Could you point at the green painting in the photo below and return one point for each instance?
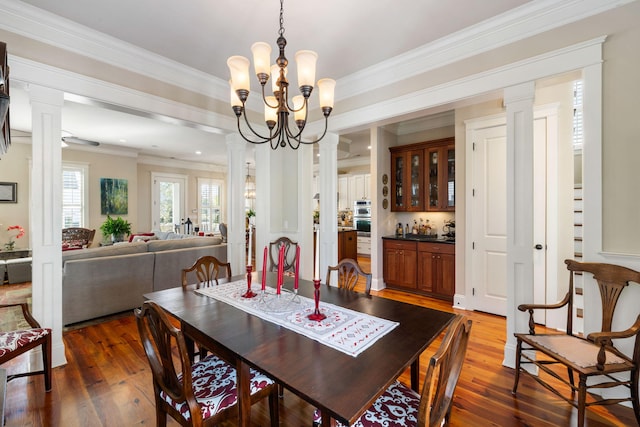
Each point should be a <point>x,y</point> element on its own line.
<point>114,196</point>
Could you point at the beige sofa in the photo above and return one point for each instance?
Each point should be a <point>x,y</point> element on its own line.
<point>106,280</point>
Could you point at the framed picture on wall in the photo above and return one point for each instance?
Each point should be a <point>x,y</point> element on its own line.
<point>8,192</point>
<point>114,196</point>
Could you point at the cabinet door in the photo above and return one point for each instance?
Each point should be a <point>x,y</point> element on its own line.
<point>409,268</point>
<point>426,271</point>
<point>358,187</point>
<point>350,245</point>
<point>447,282</point>
<point>397,181</point>
<point>450,178</point>
<point>414,179</point>
<point>433,179</point>
<point>390,267</point>
<point>343,193</point>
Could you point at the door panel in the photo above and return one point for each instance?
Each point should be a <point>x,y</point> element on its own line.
<point>489,227</point>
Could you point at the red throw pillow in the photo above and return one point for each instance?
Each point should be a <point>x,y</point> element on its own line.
<point>139,234</point>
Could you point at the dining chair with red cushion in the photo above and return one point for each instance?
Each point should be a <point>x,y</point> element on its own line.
<point>400,406</point>
<point>16,342</point>
<point>200,394</point>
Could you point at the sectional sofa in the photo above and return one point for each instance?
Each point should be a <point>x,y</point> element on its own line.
<point>101,281</point>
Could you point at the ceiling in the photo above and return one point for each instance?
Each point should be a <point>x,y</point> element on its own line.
<point>347,35</point>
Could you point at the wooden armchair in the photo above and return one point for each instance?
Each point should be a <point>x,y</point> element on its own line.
<point>349,272</point>
<point>77,237</point>
<point>595,356</point>
<point>16,342</point>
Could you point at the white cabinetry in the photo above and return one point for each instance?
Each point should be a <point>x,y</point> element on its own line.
<point>352,188</point>
<point>344,200</point>
<point>364,245</point>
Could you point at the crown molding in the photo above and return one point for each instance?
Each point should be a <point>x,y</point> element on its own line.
<point>37,24</point>
<point>174,163</point>
<point>84,89</point>
<point>525,21</point>
<point>551,63</point>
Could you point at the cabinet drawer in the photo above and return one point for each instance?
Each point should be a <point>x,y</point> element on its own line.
<point>398,245</point>
<point>441,248</point>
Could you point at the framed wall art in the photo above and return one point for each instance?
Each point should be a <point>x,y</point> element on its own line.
<point>114,196</point>
<point>8,192</point>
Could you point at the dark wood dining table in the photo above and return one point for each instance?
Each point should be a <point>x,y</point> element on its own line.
<point>340,385</point>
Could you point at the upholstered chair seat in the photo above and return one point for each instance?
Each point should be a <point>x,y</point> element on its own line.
<point>215,387</point>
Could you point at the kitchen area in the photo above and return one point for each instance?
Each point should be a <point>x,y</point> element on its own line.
<point>418,238</point>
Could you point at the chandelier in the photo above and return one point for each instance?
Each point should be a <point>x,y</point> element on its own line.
<point>277,108</point>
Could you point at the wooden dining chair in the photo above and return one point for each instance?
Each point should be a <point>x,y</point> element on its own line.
<point>349,273</point>
<point>16,342</point>
<point>200,394</point>
<point>401,406</point>
<point>593,356</point>
<point>207,269</point>
<point>289,254</point>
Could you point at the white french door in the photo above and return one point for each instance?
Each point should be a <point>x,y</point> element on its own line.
<point>168,202</point>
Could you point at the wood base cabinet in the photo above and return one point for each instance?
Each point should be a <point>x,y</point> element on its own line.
<point>437,269</point>
<point>399,263</point>
<point>425,267</point>
<point>347,245</point>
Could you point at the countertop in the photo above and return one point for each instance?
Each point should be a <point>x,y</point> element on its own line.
<point>420,238</point>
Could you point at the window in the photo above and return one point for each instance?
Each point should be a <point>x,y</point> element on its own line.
<point>74,195</point>
<point>578,129</point>
<point>209,204</point>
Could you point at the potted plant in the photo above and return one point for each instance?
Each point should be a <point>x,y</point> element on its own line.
<point>250,218</point>
<point>117,228</point>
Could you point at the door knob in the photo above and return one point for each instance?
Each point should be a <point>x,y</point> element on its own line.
<point>538,246</point>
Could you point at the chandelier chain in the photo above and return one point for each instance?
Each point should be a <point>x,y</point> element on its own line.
<point>281,31</point>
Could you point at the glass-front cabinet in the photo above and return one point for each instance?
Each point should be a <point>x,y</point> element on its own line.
<point>423,176</point>
<point>407,170</point>
<point>441,179</point>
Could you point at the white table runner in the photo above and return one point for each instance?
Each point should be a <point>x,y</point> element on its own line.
<point>346,330</point>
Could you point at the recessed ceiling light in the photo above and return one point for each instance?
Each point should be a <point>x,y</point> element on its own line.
<point>368,147</point>
<point>123,140</point>
<point>198,152</point>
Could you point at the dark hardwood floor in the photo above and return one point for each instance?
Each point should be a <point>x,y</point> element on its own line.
<point>107,382</point>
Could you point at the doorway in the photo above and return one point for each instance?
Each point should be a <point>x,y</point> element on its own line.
<point>168,201</point>
<point>486,141</point>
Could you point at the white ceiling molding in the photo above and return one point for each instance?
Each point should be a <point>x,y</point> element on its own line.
<point>555,62</point>
<point>34,23</point>
<point>525,21</point>
<point>175,163</point>
<point>25,71</point>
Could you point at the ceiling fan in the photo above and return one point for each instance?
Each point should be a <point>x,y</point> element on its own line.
<point>68,138</point>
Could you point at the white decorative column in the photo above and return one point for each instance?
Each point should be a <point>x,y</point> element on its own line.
<point>236,241</point>
<point>305,210</point>
<point>519,103</point>
<point>328,185</point>
<point>46,215</point>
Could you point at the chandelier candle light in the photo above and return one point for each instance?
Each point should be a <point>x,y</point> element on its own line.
<point>278,107</point>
